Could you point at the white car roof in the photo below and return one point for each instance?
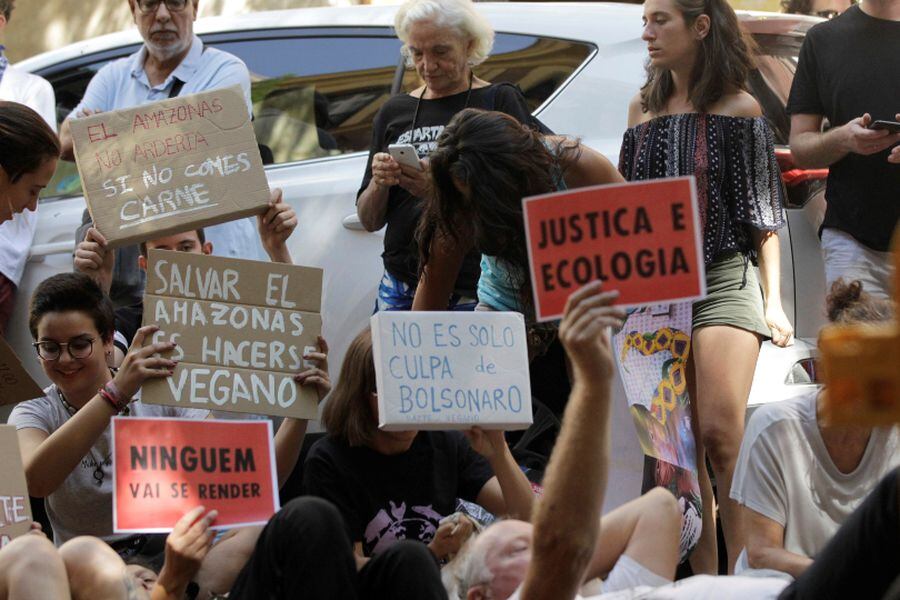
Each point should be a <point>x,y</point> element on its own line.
<point>601,23</point>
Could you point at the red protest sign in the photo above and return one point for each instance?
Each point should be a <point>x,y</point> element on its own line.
<point>640,238</point>
<point>165,467</point>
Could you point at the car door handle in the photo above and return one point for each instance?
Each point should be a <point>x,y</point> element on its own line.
<point>40,251</point>
<point>352,221</point>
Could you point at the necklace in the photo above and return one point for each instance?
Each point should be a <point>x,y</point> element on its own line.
<point>98,473</point>
<point>422,95</point>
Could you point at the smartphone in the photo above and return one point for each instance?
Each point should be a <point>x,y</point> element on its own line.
<point>405,154</point>
<point>892,126</point>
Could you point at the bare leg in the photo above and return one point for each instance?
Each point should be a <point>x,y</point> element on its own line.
<point>724,361</point>
<point>31,568</point>
<point>646,529</point>
<point>225,560</point>
<point>96,571</point>
<point>705,557</point>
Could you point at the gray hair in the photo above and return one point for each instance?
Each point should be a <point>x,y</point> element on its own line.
<point>467,569</point>
<point>458,15</point>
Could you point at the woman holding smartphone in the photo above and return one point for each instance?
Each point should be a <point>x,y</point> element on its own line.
<point>693,116</point>
<point>444,40</point>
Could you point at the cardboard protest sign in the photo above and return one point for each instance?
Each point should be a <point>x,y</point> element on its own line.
<point>15,509</point>
<point>241,327</point>
<point>861,367</point>
<point>16,385</point>
<point>165,467</point>
<point>641,238</point>
<point>171,166</point>
<point>451,370</point>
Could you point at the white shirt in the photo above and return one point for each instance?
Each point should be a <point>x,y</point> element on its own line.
<point>785,473</point>
<point>17,234</point>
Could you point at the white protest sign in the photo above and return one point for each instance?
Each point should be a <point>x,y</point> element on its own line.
<point>451,370</point>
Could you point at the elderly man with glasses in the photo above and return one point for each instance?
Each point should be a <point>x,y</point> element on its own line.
<point>172,62</point>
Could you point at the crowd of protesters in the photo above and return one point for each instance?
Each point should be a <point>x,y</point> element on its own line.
<point>807,509</point>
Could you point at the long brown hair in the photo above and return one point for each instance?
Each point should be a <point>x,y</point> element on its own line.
<point>725,58</point>
<point>501,161</point>
<point>27,140</point>
<point>348,413</point>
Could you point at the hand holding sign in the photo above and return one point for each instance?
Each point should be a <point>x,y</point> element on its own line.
<point>276,225</point>
<point>317,373</point>
<point>589,312</point>
<point>94,258</point>
<point>186,547</point>
<point>143,362</point>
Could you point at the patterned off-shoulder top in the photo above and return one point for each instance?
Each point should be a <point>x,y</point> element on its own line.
<point>733,160</point>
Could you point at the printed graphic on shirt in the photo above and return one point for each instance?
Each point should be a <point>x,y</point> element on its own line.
<point>424,139</point>
<point>400,523</point>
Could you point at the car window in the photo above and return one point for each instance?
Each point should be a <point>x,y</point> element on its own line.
<point>316,96</point>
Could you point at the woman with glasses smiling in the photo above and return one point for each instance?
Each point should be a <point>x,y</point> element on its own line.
<point>65,436</point>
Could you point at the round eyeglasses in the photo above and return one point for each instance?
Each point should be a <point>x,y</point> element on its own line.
<point>78,348</point>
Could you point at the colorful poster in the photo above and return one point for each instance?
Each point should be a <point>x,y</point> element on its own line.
<point>640,238</point>
<point>653,349</point>
<point>165,467</point>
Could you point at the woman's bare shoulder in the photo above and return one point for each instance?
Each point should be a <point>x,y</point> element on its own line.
<point>738,103</point>
<point>636,112</point>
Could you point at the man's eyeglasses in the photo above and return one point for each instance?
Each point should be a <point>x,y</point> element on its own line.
<point>77,348</point>
<point>827,14</point>
<point>149,7</point>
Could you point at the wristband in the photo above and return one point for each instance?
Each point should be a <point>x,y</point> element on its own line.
<point>110,393</point>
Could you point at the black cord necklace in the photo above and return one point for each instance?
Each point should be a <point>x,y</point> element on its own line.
<point>422,95</point>
<point>98,473</point>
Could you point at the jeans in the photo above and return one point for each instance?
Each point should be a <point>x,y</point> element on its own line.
<point>304,553</point>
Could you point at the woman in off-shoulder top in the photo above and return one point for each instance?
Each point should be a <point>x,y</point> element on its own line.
<point>693,116</point>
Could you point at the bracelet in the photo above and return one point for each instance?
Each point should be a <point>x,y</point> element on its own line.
<point>110,393</point>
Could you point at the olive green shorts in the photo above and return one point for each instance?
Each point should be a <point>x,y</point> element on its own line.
<point>733,296</point>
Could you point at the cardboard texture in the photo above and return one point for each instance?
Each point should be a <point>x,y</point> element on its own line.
<point>861,367</point>
<point>15,509</point>
<point>641,238</point>
<point>165,467</point>
<point>16,385</point>
<point>451,370</point>
<point>171,166</point>
<point>241,327</point>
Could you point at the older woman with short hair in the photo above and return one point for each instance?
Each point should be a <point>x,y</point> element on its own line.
<point>443,40</point>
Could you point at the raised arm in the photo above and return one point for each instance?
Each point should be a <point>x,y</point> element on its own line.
<point>289,438</point>
<point>49,459</point>
<point>567,518</point>
<point>371,206</point>
<point>508,493</point>
<point>275,227</point>
<point>95,259</point>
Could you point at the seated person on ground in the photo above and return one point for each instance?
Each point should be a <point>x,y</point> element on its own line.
<point>554,559</point>
<point>798,479</point>
<point>65,436</point>
<point>94,258</point>
<point>395,485</point>
<point>640,539</point>
<point>31,568</point>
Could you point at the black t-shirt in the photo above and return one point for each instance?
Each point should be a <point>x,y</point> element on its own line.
<point>392,126</point>
<point>384,499</point>
<point>128,321</point>
<point>850,66</point>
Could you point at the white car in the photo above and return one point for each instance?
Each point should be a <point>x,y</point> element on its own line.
<point>321,74</point>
